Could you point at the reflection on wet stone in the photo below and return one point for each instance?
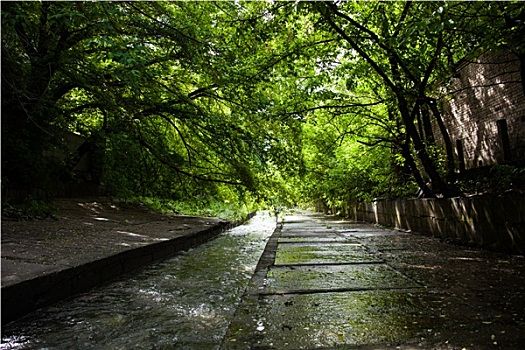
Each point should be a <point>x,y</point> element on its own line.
<point>185,302</point>
<point>335,277</point>
<point>310,253</point>
<point>342,285</point>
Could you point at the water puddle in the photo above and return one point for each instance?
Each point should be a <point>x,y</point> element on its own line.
<point>186,302</point>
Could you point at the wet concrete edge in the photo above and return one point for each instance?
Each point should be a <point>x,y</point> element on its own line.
<point>27,296</point>
<point>265,262</point>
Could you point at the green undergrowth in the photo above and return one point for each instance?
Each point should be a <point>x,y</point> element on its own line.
<point>32,208</point>
<point>223,209</point>
<point>495,180</point>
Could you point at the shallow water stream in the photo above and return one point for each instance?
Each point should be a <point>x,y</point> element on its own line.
<point>186,302</point>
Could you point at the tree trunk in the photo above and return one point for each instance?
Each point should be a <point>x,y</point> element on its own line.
<point>451,165</point>
<point>438,184</point>
<point>405,152</point>
<point>427,125</point>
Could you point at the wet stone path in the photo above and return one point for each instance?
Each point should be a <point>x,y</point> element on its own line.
<point>323,283</point>
<point>315,282</point>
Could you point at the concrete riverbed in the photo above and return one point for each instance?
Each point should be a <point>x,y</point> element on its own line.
<point>90,242</point>
<point>185,302</point>
<point>326,283</point>
<point>315,282</point>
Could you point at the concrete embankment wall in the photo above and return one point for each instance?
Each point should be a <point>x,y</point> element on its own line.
<point>496,223</point>
<point>27,296</point>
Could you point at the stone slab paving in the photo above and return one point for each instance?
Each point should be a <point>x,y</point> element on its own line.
<point>326,283</point>
<point>321,252</point>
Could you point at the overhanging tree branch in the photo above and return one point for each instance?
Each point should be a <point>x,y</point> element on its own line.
<point>334,107</point>
<point>357,47</point>
<point>178,170</point>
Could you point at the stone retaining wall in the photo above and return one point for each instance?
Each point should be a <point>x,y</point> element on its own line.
<point>496,223</point>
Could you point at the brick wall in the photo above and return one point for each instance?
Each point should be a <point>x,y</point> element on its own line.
<point>483,92</point>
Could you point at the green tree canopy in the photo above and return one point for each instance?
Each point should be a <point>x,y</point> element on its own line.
<point>240,100</point>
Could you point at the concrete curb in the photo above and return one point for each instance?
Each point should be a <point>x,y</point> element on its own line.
<point>27,296</point>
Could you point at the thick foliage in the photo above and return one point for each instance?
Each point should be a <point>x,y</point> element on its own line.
<point>239,101</point>
<point>167,100</point>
